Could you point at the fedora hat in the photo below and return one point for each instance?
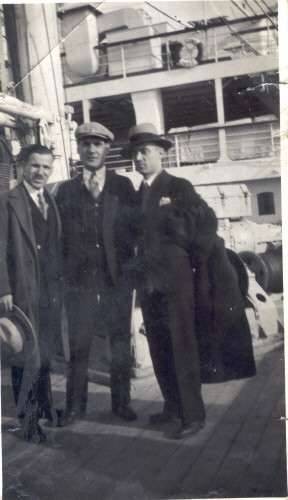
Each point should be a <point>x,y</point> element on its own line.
<point>144,133</point>
<point>16,331</point>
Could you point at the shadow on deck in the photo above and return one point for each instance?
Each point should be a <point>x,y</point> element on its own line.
<point>240,453</point>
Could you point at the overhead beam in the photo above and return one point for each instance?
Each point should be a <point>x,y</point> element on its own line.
<point>164,79</point>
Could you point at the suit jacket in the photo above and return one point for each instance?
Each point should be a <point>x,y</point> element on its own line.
<point>118,198</point>
<point>186,229</point>
<point>19,265</point>
<point>183,228</point>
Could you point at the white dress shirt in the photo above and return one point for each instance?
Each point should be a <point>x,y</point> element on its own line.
<point>151,179</point>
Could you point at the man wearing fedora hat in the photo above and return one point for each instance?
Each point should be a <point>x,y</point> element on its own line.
<point>174,226</point>
<point>30,264</point>
<point>96,247</point>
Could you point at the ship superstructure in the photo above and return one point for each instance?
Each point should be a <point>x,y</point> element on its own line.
<point>211,85</point>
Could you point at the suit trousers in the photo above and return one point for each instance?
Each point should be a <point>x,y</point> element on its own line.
<point>94,312</point>
<point>169,319</point>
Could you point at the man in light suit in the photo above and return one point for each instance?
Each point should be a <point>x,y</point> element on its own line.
<point>96,246</point>
<point>30,263</point>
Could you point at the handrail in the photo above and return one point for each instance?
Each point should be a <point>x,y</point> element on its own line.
<point>119,60</point>
<point>189,148</point>
<point>199,27</point>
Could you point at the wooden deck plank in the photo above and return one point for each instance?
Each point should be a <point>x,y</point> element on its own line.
<point>279,481</point>
<point>71,450</point>
<point>107,459</point>
<point>232,472</point>
<point>152,449</point>
<point>173,470</point>
<point>259,475</point>
<point>208,459</point>
<point>63,443</point>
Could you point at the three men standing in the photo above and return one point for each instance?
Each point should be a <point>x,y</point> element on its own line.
<point>96,247</point>
<point>30,259</point>
<point>102,220</point>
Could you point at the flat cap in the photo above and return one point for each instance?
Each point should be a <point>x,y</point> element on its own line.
<point>94,129</point>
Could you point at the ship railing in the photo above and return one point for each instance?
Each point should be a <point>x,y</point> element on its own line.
<point>194,147</point>
<point>5,175</point>
<point>185,48</point>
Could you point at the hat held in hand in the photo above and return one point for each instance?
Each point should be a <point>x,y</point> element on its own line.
<point>15,331</point>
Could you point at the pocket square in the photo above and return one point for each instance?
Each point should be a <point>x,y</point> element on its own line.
<point>165,200</point>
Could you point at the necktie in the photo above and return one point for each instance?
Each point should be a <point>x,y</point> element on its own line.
<point>43,205</point>
<point>144,195</point>
<point>94,187</point>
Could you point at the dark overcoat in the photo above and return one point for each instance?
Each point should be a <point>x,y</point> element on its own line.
<point>19,265</point>
<point>184,231</point>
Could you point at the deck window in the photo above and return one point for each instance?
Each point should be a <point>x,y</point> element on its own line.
<point>251,96</point>
<point>266,203</point>
<point>189,105</point>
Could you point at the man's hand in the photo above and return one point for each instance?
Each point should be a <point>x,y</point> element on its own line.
<point>6,303</point>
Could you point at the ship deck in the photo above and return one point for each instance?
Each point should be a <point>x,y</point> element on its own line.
<point>240,452</point>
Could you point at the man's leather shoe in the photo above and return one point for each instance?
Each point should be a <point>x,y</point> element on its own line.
<point>160,418</point>
<point>125,412</point>
<point>181,431</point>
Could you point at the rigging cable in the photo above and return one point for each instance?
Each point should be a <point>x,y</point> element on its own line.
<point>266,15</point>
<point>173,18</point>
<point>239,8</point>
<point>53,48</point>
<point>234,32</point>
<point>249,6</point>
<point>267,7</point>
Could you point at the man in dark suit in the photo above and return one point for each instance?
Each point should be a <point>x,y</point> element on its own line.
<point>96,248</point>
<point>30,257</point>
<point>175,226</point>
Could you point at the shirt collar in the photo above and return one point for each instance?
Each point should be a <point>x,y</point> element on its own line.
<point>97,175</point>
<point>32,191</point>
<point>151,179</point>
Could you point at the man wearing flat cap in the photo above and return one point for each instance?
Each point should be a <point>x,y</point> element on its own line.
<point>96,248</point>
<point>176,234</point>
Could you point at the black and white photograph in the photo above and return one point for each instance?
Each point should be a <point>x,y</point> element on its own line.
<point>141,261</point>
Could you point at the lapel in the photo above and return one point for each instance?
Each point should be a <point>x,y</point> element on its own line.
<point>55,209</point>
<point>158,189</point>
<point>110,206</point>
<point>18,201</point>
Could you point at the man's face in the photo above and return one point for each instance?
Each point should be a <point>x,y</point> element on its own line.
<point>37,169</point>
<point>148,159</point>
<point>93,152</point>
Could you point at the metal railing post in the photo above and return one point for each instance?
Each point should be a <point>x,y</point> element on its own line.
<point>215,45</point>
<point>123,63</point>
<point>168,55</point>
<point>177,151</point>
<point>272,139</point>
